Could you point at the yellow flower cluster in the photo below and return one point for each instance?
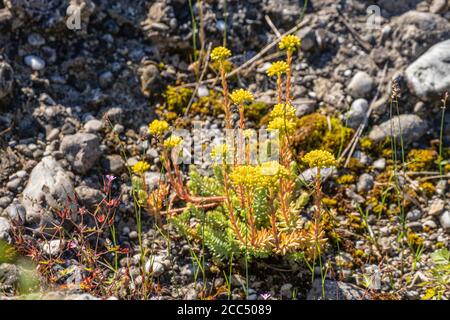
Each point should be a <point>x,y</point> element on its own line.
<point>273,171</point>
<point>220,54</point>
<point>278,68</point>
<point>140,167</point>
<point>289,43</point>
<point>241,96</point>
<point>245,175</point>
<point>219,150</point>
<point>320,159</point>
<point>281,110</point>
<point>172,141</point>
<point>158,127</point>
<point>284,126</point>
<point>265,175</point>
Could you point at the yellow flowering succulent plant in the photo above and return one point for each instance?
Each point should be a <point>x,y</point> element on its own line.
<point>173,141</point>
<point>140,167</point>
<point>158,127</point>
<point>278,68</point>
<point>320,159</point>
<point>241,96</point>
<point>282,110</point>
<point>220,53</point>
<point>289,43</point>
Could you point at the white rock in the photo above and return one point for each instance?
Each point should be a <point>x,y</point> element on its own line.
<point>154,267</point>
<point>408,126</point>
<point>48,187</point>
<point>436,207</point>
<point>5,228</point>
<point>360,85</point>
<point>379,164</point>
<point>357,113</point>
<point>34,62</point>
<point>444,219</point>
<point>93,126</point>
<point>202,91</point>
<point>429,76</point>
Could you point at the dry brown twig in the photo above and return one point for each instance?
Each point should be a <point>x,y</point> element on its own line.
<point>205,66</point>
<point>250,63</point>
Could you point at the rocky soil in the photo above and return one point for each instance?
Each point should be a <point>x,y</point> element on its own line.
<point>68,96</point>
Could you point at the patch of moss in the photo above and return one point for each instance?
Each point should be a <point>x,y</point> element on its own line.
<point>328,202</point>
<point>414,240</point>
<point>316,132</point>
<point>176,99</point>
<point>421,159</point>
<point>366,144</point>
<point>256,111</point>
<point>428,188</point>
<point>208,105</point>
<point>346,179</point>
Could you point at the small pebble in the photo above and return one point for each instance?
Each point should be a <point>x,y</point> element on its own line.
<point>34,62</point>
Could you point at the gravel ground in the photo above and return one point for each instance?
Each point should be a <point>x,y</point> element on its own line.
<point>68,96</point>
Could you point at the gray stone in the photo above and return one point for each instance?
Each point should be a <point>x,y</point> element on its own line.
<point>408,126</point>
<point>14,184</point>
<point>5,229</point>
<point>415,226</point>
<point>150,78</point>
<point>335,290</point>
<point>444,219</point>
<point>6,79</point>
<point>379,164</point>
<point>360,85</point>
<point>430,224</point>
<point>34,62</point>
<point>429,76</point>
<point>113,164</point>
<point>82,150</point>
<point>414,215</point>
<point>93,126</point>
<point>355,116</point>
<point>365,183</point>
<point>16,212</point>
<point>9,276</point>
<point>89,197</point>
<point>308,37</point>
<point>48,188</point>
<point>354,196</point>
<point>436,207</point>
<point>286,291</point>
<point>35,39</point>
<point>105,79</point>
<point>202,91</point>
<point>309,175</point>
<point>154,267</point>
<point>438,6</point>
<point>415,32</point>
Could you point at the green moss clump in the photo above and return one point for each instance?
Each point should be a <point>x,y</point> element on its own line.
<point>421,159</point>
<point>208,105</point>
<point>346,179</point>
<point>428,188</point>
<point>329,202</point>
<point>414,240</point>
<point>256,111</point>
<point>314,132</point>
<point>176,99</point>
